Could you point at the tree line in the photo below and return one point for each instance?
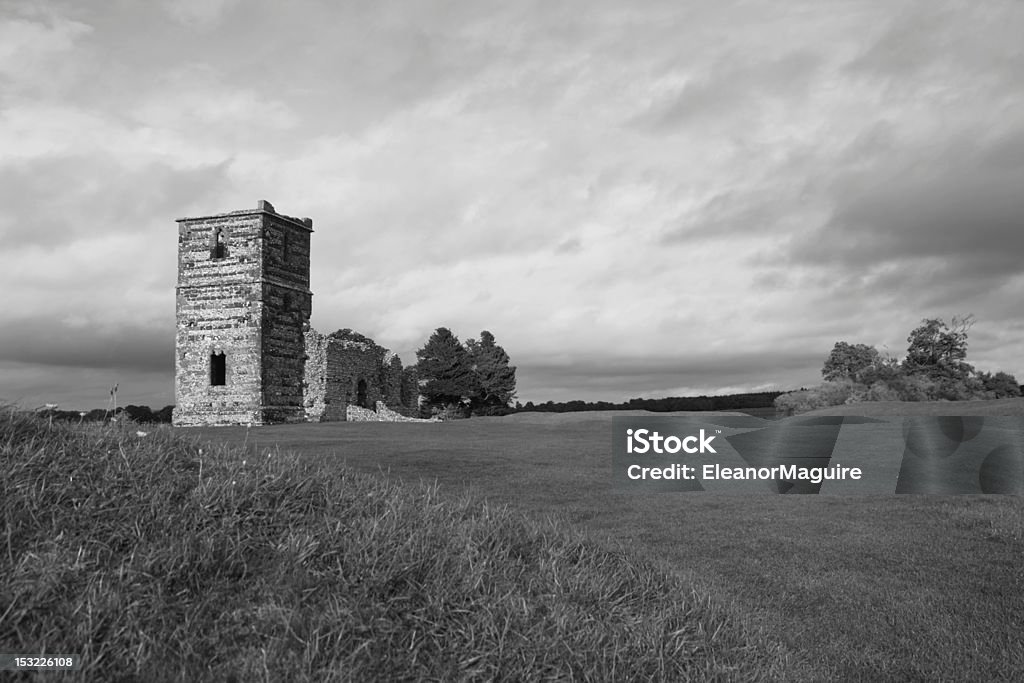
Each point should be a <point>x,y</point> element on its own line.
<point>751,401</point>
<point>935,368</point>
<point>140,414</point>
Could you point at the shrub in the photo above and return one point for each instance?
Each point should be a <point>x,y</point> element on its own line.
<point>1000,385</point>
<point>791,403</point>
<point>914,388</point>
<point>824,395</point>
<point>834,393</point>
<point>880,391</point>
<point>450,411</point>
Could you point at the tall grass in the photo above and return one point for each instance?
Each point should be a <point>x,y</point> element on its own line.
<point>872,588</point>
<point>157,558</point>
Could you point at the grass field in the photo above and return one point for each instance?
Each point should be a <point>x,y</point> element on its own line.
<point>851,588</point>
<point>486,549</point>
<point>159,558</point>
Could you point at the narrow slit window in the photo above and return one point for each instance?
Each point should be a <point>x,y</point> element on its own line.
<point>220,246</point>
<point>218,370</point>
<point>285,252</point>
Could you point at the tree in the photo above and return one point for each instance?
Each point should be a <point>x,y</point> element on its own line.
<point>1000,385</point>
<point>163,415</point>
<point>444,370</point>
<point>495,378</point>
<point>938,351</point>
<point>348,334</point>
<point>139,414</point>
<point>848,360</point>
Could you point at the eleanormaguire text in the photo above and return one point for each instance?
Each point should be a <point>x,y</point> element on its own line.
<point>815,475</point>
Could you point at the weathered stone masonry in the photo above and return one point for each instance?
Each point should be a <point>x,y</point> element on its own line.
<point>342,372</point>
<point>244,352</point>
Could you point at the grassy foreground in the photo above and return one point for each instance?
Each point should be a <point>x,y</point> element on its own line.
<point>159,558</point>
<point>855,588</point>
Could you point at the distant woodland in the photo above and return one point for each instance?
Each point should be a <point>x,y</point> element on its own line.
<point>736,402</point>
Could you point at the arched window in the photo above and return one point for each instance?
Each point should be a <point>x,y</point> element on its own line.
<point>218,244</point>
<point>218,369</point>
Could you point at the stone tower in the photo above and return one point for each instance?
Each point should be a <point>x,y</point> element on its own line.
<point>243,305</point>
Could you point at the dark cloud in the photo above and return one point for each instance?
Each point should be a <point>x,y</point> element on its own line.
<point>31,386</point>
<point>952,213</point>
<point>45,342</point>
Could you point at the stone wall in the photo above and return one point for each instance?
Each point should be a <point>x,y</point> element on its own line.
<point>244,293</point>
<point>351,370</point>
<point>381,414</point>
<point>244,351</point>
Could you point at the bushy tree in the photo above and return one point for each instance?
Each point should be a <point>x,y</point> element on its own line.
<point>999,385</point>
<point>939,351</point>
<point>846,361</point>
<point>445,372</point>
<point>880,391</point>
<point>935,368</point>
<point>822,396</point>
<point>348,334</point>
<point>163,415</point>
<point>139,414</point>
<point>495,378</point>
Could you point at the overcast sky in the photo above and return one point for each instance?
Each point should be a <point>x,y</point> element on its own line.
<point>637,198</point>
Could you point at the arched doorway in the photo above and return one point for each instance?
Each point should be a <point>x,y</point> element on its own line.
<point>361,394</point>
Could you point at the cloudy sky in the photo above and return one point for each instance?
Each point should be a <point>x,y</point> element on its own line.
<point>637,198</point>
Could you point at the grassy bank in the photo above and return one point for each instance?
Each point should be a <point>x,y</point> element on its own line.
<point>158,558</point>
<point>874,588</point>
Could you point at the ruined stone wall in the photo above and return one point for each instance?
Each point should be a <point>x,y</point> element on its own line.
<point>314,381</point>
<point>381,414</point>
<point>335,369</point>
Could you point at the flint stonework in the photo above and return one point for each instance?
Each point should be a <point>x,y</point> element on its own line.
<point>243,291</point>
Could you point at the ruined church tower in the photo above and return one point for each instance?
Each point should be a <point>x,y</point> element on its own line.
<point>243,305</point>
